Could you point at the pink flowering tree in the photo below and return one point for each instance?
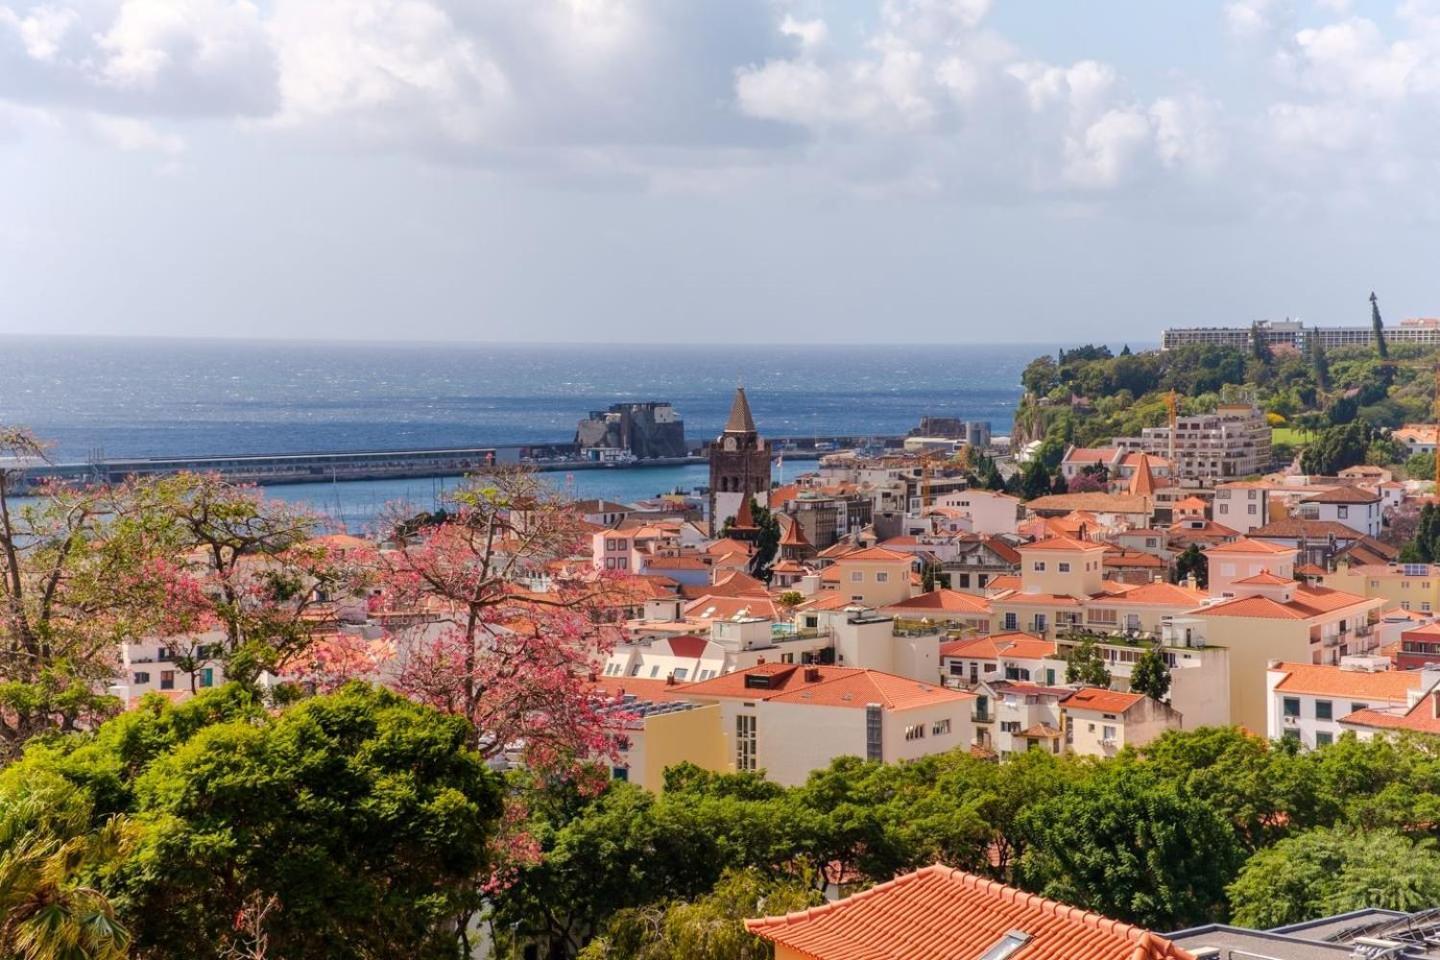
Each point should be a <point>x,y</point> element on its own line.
<point>261,585</point>
<point>497,636</point>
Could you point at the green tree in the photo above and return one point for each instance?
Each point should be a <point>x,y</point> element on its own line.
<point>363,815</point>
<point>1034,480</point>
<point>1192,561</point>
<point>1421,466</point>
<point>1319,363</point>
<point>709,928</point>
<point>1336,448</point>
<point>1131,846</point>
<point>1335,870</point>
<point>1084,665</point>
<point>1151,675</point>
<point>49,855</point>
<point>767,542</point>
<point>1381,349</point>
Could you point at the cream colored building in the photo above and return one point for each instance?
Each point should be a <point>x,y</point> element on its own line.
<point>1267,617</point>
<point>791,720</point>
<point>1404,586</point>
<point>1308,702</point>
<point>1101,723</point>
<point>1245,558</point>
<point>875,576</point>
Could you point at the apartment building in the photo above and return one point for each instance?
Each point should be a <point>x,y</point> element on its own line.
<point>1242,505</point>
<point>976,562</point>
<point>1355,507</point>
<point>1413,587</point>
<point>1308,701</point>
<point>174,666</point>
<point>1274,333</point>
<point>1018,657</point>
<point>990,513</point>
<point>1229,444</point>
<point>1268,617</point>
<point>1012,717</point>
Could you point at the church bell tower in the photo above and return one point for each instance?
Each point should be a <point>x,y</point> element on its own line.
<point>739,465</point>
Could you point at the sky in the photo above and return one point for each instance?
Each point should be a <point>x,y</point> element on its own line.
<point>703,171</point>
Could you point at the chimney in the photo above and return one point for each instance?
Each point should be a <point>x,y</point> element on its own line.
<point>812,674</point>
<point>1191,581</point>
<point>759,660</point>
<point>670,680</point>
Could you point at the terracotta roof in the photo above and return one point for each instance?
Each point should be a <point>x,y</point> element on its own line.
<point>794,536</point>
<point>1191,502</point>
<point>1002,549</point>
<point>1307,602</point>
<point>687,646</point>
<point>1309,678</point>
<point>1020,646</point>
<point>1029,689</point>
<point>1105,701</point>
<point>1040,731</point>
<point>1423,717</point>
<point>838,549</point>
<point>948,601</point>
<point>1142,482</point>
<point>1309,570</point>
<point>726,545</point>
<point>1003,582</point>
<point>1097,502</point>
<point>1132,558</point>
<point>1063,543</point>
<point>833,687</point>
<point>641,688</point>
<point>677,563</point>
<point>745,516</point>
<point>875,555</point>
<point>828,600</point>
<point>1042,599</point>
<point>738,585</point>
<point>1293,528</point>
<point>1343,495</point>
<point>711,607</point>
<point>1158,594</point>
<point>1246,545</point>
<point>1265,579</point>
<point>939,913</point>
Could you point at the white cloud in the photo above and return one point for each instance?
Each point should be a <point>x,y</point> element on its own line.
<point>132,135</point>
<point>41,30</point>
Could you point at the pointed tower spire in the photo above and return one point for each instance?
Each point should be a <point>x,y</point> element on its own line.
<point>740,420</point>
<point>1142,481</point>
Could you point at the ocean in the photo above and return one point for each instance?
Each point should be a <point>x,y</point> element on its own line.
<point>141,397</point>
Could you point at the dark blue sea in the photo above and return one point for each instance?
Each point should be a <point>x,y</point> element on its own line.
<point>142,397</point>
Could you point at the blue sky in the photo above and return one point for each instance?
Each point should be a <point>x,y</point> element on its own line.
<point>756,170</point>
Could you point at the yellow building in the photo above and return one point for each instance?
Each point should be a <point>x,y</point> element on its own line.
<point>1406,586</point>
<point>875,577</point>
<point>1268,617</point>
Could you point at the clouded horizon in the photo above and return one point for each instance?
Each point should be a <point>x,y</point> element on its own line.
<point>714,170</point>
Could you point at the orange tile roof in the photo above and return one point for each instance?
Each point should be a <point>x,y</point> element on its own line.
<point>1392,685</point>
<point>1423,717</point>
<point>1005,581</point>
<point>939,913</point>
<point>738,585</point>
<point>1157,595</point>
<point>1063,543</point>
<point>710,607</point>
<point>1344,495</point>
<point>834,687</point>
<point>1246,545</point>
<point>1308,602</point>
<point>1043,599</point>
<point>948,601</point>
<point>1021,646</point>
<point>1132,558</point>
<point>1265,579</point>
<point>875,555</point>
<point>829,600</point>
<point>1105,701</point>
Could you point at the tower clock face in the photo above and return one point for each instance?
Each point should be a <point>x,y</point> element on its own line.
<point>730,444</point>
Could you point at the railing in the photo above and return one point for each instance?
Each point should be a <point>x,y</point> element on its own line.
<point>982,716</point>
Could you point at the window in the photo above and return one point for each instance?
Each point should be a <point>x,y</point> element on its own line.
<point>1064,567</point>
<point>681,673</point>
<point>619,773</point>
<point>916,731</point>
<point>1344,513</point>
<point>655,670</point>
<point>1224,508</point>
<point>1151,543</point>
<point>964,581</point>
<point>1039,566</point>
<point>207,677</point>
<point>1324,739</point>
<point>882,577</point>
<point>1107,734</point>
<point>1324,710</point>
<point>1358,706</point>
<point>1291,706</point>
<point>745,741</point>
<point>142,677</point>
<point>1251,510</point>
<point>856,576</point>
<point>1011,621</point>
<point>167,679</point>
<point>940,727</point>
<point>1009,726</point>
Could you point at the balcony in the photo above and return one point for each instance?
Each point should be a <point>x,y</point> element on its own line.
<point>983,716</point>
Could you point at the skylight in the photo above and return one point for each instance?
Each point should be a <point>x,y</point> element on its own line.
<point>1007,946</point>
